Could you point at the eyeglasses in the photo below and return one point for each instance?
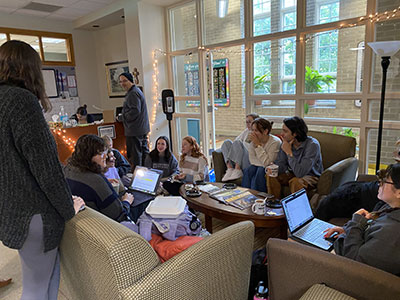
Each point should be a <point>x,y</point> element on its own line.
<point>382,181</point>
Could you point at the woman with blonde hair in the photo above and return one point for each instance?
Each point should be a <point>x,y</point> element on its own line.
<point>35,201</point>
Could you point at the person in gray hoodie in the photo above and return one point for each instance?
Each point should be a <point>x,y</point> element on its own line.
<point>373,237</point>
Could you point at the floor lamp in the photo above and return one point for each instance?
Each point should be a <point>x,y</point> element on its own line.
<point>385,50</point>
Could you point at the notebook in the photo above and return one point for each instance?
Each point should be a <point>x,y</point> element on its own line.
<point>146,180</point>
<point>302,224</point>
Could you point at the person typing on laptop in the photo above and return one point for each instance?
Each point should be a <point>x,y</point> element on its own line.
<point>373,237</point>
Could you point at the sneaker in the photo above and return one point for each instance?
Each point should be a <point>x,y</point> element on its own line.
<point>228,174</point>
<point>236,174</point>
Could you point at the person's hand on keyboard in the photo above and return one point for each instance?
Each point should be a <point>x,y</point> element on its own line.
<point>333,232</point>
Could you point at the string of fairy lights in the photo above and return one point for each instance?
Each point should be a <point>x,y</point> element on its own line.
<point>67,140</point>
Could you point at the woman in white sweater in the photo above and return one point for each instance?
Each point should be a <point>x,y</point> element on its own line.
<point>236,153</point>
<point>192,163</point>
<point>263,150</point>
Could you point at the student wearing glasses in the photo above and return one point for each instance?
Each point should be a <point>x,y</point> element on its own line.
<point>236,154</point>
<point>373,237</point>
<point>84,173</point>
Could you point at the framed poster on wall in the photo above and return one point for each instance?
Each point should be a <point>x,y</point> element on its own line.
<point>106,130</point>
<point>113,70</point>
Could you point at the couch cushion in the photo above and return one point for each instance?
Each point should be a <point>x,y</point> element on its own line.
<point>322,292</point>
<point>167,249</point>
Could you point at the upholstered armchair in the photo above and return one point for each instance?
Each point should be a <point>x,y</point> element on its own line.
<point>101,259</point>
<point>297,271</point>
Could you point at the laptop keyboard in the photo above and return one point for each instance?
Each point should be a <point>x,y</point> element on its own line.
<point>313,231</point>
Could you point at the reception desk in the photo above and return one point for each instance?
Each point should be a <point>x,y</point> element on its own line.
<point>66,137</point>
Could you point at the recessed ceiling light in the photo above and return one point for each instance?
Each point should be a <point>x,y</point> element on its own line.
<point>95,26</point>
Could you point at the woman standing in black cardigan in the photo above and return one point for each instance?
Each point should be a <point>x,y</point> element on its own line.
<point>35,200</point>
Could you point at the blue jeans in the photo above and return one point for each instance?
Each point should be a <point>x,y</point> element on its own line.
<point>254,178</point>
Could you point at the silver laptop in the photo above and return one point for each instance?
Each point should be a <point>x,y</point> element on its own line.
<point>302,224</point>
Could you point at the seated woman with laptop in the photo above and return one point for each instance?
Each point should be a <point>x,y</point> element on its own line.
<point>84,174</point>
<point>373,237</point>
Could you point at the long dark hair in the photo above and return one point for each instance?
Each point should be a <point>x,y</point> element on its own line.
<point>86,147</point>
<point>154,154</point>
<point>20,65</point>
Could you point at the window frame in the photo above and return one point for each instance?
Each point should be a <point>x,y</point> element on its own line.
<point>46,34</point>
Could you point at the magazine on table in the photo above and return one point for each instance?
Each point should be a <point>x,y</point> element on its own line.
<point>210,189</point>
<point>238,198</point>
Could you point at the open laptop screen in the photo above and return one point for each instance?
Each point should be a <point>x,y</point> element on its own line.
<point>146,180</point>
<point>297,209</point>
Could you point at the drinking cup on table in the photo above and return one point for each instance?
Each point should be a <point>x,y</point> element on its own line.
<point>258,207</point>
<point>272,170</point>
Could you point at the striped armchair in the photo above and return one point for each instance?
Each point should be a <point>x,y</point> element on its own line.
<point>101,259</point>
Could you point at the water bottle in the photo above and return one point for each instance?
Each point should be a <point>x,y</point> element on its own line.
<point>261,292</point>
<point>211,174</point>
<point>61,113</point>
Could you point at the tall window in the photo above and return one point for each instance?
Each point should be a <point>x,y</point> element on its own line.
<point>289,65</point>
<point>262,68</point>
<point>262,17</point>
<point>288,14</point>
<point>327,45</point>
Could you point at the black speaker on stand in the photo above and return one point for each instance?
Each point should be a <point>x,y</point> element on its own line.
<point>168,104</point>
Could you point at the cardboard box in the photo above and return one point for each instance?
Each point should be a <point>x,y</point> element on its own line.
<point>108,116</point>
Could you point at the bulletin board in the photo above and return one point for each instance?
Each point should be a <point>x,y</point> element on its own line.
<point>60,81</point>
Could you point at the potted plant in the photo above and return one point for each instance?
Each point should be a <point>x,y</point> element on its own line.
<point>313,81</point>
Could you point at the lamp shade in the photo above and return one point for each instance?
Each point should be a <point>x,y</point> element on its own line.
<point>386,48</point>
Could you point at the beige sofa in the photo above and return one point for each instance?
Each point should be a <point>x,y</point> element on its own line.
<point>294,268</point>
<point>338,159</point>
<point>101,259</point>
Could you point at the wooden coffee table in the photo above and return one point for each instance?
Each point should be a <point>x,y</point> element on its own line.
<point>212,208</point>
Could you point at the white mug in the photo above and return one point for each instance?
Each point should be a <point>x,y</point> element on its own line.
<point>258,206</point>
<point>273,170</point>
